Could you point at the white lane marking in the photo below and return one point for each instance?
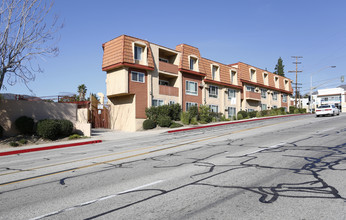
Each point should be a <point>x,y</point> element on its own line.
<point>96,200</point>
<point>271,147</point>
<point>329,129</point>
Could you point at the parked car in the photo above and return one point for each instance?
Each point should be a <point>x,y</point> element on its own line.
<point>327,110</point>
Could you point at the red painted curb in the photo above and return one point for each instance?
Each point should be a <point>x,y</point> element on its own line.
<point>229,123</point>
<point>48,148</point>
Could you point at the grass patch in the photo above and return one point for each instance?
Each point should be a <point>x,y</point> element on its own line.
<point>74,136</point>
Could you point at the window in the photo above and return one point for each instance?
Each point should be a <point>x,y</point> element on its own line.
<point>163,60</point>
<point>213,91</point>
<point>275,96</point>
<point>264,93</point>
<point>252,75</point>
<point>250,110</point>
<point>286,84</point>
<point>137,77</point>
<point>157,102</point>
<point>193,62</point>
<point>231,112</point>
<point>276,82</point>
<point>215,72</point>
<point>231,93</point>
<point>284,98</point>
<point>171,102</point>
<point>163,82</point>
<point>274,107</point>
<point>138,52</point>
<point>191,88</point>
<point>189,104</point>
<point>214,108</point>
<point>263,107</point>
<point>233,77</point>
<point>250,88</point>
<point>265,78</point>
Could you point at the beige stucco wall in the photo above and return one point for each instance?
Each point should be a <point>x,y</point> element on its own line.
<point>222,100</point>
<point>10,110</point>
<point>123,113</point>
<point>82,115</point>
<point>117,82</point>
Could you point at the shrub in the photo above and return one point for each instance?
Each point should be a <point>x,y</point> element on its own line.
<point>282,111</point>
<point>296,111</point>
<point>234,117</point>
<point>163,110</point>
<point>259,114</point>
<point>1,131</point>
<point>74,136</point>
<point>204,114</point>
<point>302,110</point>
<point>14,144</point>
<point>223,118</point>
<point>174,111</point>
<point>239,116</point>
<point>25,125</point>
<point>149,124</point>
<point>164,121</point>
<point>252,114</point>
<point>292,109</point>
<point>265,112</point>
<point>194,121</point>
<point>185,118</point>
<point>49,129</point>
<point>193,111</point>
<point>244,114</point>
<point>274,112</point>
<point>23,141</point>
<point>176,125</point>
<point>152,113</point>
<point>66,127</point>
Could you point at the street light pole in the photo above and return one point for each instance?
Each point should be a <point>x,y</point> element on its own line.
<point>310,106</point>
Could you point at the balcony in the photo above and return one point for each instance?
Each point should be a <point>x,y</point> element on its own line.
<point>253,96</point>
<point>284,104</point>
<point>168,90</point>
<point>168,67</point>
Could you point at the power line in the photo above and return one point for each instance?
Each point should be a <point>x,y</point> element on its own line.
<point>296,71</point>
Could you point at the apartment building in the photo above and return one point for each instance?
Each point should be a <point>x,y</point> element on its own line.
<point>141,74</point>
<point>263,90</point>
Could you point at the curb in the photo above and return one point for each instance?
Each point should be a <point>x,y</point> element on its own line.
<point>229,123</point>
<point>6,153</point>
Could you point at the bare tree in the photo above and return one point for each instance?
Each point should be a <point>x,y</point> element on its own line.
<point>25,35</point>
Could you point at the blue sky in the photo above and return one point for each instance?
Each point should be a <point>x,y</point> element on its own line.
<point>256,32</point>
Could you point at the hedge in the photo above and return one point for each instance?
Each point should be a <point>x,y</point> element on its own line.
<point>164,121</point>
<point>66,128</point>
<point>1,131</point>
<point>54,128</point>
<point>149,124</point>
<point>25,125</point>
<point>49,129</point>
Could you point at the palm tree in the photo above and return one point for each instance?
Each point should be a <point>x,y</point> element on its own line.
<point>82,91</point>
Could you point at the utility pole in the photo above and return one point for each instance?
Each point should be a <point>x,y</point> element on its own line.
<point>296,71</point>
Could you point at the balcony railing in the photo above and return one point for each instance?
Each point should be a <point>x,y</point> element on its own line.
<point>168,67</point>
<point>253,96</point>
<point>284,104</point>
<point>168,90</point>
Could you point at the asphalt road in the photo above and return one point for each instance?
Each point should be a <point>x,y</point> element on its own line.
<point>285,168</point>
